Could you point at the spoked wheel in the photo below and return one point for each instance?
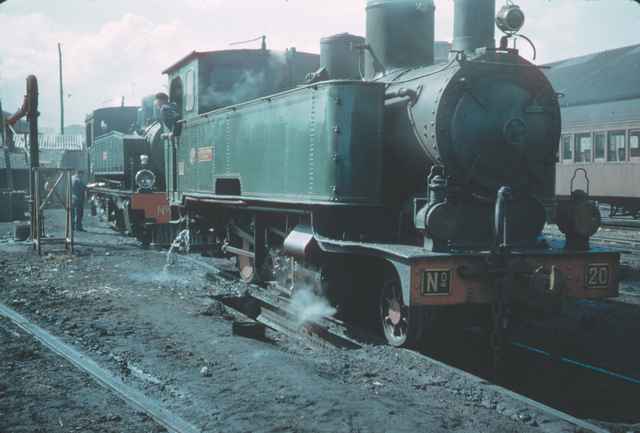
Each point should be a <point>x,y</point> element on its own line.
<point>400,326</point>
<point>246,266</point>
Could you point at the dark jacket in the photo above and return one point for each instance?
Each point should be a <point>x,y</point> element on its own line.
<point>169,115</point>
<point>78,189</point>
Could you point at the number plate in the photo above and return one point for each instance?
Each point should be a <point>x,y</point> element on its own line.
<point>597,276</point>
<point>436,282</point>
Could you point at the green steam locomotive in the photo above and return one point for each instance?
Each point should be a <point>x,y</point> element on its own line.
<point>383,179</point>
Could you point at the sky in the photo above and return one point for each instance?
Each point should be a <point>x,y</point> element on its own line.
<point>118,48</point>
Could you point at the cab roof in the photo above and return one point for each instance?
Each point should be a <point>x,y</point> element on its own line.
<point>201,54</point>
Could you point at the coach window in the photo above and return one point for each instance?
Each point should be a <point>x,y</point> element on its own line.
<point>599,152</point>
<point>567,151</point>
<point>616,149</point>
<point>189,88</point>
<point>634,145</point>
<point>584,147</point>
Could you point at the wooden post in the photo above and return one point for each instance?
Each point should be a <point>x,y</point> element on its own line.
<point>31,106</point>
<point>61,90</point>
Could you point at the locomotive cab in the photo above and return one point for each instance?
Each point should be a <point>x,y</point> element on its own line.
<point>208,80</point>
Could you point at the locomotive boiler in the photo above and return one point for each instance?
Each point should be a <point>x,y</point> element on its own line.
<point>385,181</point>
<point>486,119</point>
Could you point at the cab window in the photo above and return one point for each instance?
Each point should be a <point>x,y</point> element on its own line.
<point>584,147</point>
<point>189,87</point>
<point>567,151</point>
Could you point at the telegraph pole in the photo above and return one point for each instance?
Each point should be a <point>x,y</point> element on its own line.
<point>61,90</point>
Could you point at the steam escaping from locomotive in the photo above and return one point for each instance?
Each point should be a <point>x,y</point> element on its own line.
<point>230,84</point>
<point>247,86</point>
<point>310,307</point>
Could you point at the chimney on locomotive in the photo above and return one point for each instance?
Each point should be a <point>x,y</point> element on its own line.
<point>400,34</point>
<point>474,25</point>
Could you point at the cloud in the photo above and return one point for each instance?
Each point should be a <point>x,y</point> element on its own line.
<point>203,4</point>
<point>123,57</point>
<point>118,48</point>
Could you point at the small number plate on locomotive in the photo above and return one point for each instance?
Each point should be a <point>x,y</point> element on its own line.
<point>436,282</point>
<point>597,276</point>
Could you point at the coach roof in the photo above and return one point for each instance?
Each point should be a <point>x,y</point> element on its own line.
<point>607,76</point>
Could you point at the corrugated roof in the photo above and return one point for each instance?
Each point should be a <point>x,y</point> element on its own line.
<point>52,142</point>
<point>607,76</point>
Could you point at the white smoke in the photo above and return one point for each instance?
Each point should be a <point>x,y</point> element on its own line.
<point>248,86</point>
<point>310,307</point>
<point>248,83</point>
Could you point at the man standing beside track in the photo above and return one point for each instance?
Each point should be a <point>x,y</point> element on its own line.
<point>78,191</point>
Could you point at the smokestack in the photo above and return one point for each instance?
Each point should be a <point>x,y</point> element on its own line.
<point>400,34</point>
<point>474,25</point>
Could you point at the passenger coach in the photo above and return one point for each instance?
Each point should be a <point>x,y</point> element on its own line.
<point>600,141</point>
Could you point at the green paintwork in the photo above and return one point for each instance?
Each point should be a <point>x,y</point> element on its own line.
<point>316,144</point>
<point>104,120</point>
<point>205,81</point>
<point>115,154</point>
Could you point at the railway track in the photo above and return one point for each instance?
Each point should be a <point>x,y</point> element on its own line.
<point>278,315</point>
<point>275,312</point>
<point>604,240</point>
<point>629,224</point>
<point>616,241</point>
<point>131,396</point>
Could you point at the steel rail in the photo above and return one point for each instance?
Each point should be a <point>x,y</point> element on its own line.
<point>577,363</point>
<point>626,224</point>
<point>613,240</point>
<point>281,319</point>
<point>605,241</point>
<point>318,330</point>
<point>103,377</point>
